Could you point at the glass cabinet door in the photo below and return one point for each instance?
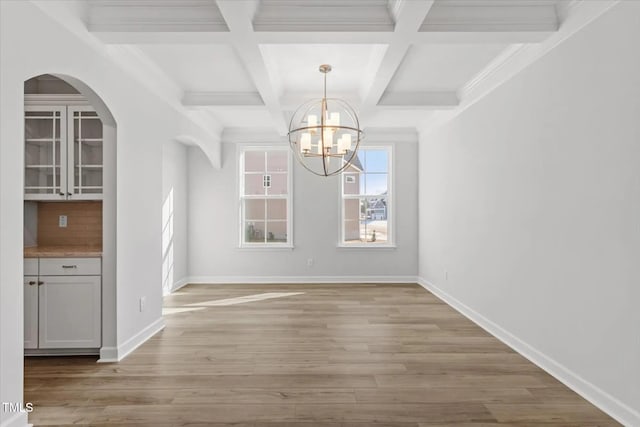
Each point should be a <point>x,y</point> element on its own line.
<point>45,154</point>
<point>86,152</point>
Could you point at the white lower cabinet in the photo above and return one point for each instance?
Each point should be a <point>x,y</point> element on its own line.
<point>63,311</point>
<point>69,312</point>
<point>30,312</point>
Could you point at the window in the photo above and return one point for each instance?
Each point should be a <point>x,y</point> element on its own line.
<point>366,199</point>
<point>265,205</point>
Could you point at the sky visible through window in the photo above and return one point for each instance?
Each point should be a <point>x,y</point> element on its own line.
<point>375,163</point>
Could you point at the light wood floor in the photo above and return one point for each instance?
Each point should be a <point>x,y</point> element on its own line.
<point>334,355</point>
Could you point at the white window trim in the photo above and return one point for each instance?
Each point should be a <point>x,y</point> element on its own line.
<point>240,150</point>
<point>391,230</point>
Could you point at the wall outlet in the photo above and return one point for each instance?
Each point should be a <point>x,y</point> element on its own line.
<point>309,262</point>
<point>446,275</point>
<point>62,221</point>
<point>143,302</point>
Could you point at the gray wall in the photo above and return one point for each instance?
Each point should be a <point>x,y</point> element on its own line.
<point>174,181</point>
<point>213,227</point>
<point>530,200</point>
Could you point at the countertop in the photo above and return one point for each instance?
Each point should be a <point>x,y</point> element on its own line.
<point>62,251</point>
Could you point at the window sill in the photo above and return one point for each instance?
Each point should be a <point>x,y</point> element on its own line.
<point>266,248</point>
<point>390,247</point>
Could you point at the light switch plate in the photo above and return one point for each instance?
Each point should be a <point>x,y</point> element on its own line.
<point>62,221</point>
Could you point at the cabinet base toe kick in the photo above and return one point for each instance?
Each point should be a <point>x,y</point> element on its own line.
<point>62,352</point>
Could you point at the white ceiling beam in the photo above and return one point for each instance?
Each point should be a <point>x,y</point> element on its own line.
<point>290,101</point>
<point>238,15</point>
<point>419,100</point>
<point>409,17</point>
<point>211,99</point>
<point>113,35</point>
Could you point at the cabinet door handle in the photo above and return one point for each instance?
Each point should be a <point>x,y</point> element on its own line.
<point>61,193</point>
<point>32,282</point>
<point>69,194</point>
<point>40,283</point>
<point>69,266</point>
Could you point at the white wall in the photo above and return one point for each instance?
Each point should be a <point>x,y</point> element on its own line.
<point>32,43</point>
<point>174,196</point>
<point>530,199</point>
<point>214,238</point>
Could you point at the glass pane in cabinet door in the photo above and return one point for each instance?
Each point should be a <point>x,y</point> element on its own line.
<point>91,126</point>
<point>41,125</point>
<point>40,153</point>
<point>91,152</point>
<point>87,179</point>
<point>42,180</point>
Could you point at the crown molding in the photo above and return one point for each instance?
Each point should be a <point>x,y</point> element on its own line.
<point>419,100</point>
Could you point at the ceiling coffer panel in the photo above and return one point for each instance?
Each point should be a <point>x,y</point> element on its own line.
<point>491,15</point>
<point>155,15</point>
<point>323,15</point>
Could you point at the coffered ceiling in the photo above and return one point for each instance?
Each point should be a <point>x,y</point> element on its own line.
<point>399,62</point>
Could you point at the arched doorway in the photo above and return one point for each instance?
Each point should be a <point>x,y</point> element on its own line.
<point>82,170</point>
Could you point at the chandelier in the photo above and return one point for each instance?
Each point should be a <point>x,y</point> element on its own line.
<point>325,133</point>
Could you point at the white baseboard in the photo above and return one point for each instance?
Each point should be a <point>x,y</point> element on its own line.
<point>112,354</point>
<point>598,397</point>
<point>180,283</point>
<point>16,420</point>
<point>297,279</point>
<point>108,355</point>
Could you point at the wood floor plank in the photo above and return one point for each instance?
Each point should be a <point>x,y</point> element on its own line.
<point>339,355</point>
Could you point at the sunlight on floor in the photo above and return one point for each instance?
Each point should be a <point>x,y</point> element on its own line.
<point>245,299</point>
<point>174,310</point>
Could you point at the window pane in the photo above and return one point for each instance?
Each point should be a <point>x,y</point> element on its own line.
<point>277,231</point>
<point>254,161</point>
<point>352,215</point>
<point>264,196</point>
<point>253,184</point>
<point>277,161</point>
<point>277,209</point>
<point>254,209</point>
<point>376,161</point>
<point>376,183</point>
<point>279,184</point>
<point>351,183</point>
<point>254,231</point>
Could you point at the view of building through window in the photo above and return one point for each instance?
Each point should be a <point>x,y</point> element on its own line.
<point>264,196</point>
<point>365,198</point>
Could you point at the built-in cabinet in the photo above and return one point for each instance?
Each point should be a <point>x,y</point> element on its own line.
<point>63,152</point>
<point>62,304</point>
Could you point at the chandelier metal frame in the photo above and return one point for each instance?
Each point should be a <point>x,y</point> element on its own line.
<point>301,131</point>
